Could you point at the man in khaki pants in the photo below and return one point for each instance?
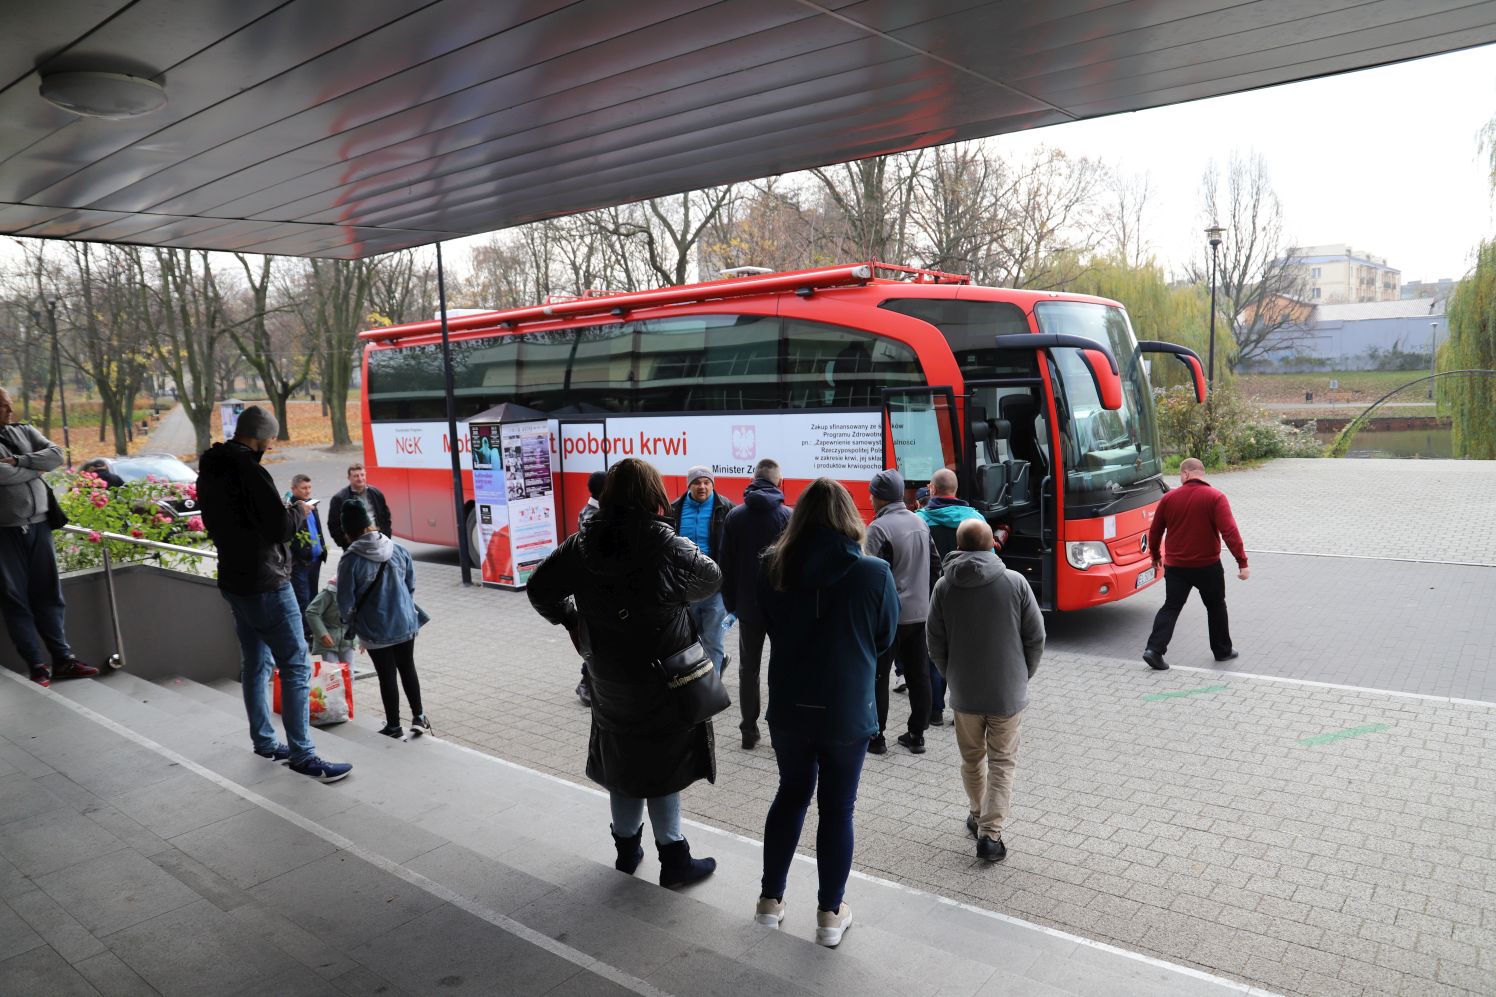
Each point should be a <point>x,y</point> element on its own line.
<point>986,636</point>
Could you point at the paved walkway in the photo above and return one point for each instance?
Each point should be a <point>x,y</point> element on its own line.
<point>174,435</point>
<point>1305,839</point>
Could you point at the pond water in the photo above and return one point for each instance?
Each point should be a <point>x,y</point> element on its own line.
<point>1433,442</point>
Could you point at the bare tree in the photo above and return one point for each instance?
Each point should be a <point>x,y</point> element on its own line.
<point>109,313</point>
<point>1261,287</point>
<point>766,225</point>
<point>276,349</point>
<point>332,297</point>
<point>662,234</point>
<point>1047,220</point>
<point>873,199</point>
<point>193,322</point>
<point>1123,222</point>
<point>956,212</point>
<point>403,287</point>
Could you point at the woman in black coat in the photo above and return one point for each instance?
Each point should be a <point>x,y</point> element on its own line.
<point>621,586</point>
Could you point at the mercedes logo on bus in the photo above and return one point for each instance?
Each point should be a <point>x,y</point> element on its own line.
<point>1143,543</point>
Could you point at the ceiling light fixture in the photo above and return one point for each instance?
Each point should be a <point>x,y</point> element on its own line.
<point>103,95</point>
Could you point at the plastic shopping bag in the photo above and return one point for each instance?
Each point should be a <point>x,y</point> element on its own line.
<point>329,694</point>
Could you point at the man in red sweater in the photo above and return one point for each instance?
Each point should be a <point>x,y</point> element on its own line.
<point>1197,518</point>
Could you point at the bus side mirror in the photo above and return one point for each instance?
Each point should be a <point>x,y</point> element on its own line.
<point>1098,359</point>
<point>1184,355</point>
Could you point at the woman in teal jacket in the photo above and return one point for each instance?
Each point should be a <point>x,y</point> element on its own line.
<point>830,610</point>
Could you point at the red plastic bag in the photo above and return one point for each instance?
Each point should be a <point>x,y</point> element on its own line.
<point>329,693</point>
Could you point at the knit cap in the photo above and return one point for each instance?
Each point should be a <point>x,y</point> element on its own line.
<point>887,485</point>
<point>700,471</point>
<point>355,517</point>
<point>256,424</point>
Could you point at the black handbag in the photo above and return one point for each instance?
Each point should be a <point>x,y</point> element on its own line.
<point>696,690</point>
<point>358,604</point>
<point>56,518</point>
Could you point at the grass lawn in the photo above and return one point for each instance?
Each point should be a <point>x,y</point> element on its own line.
<point>1364,386</point>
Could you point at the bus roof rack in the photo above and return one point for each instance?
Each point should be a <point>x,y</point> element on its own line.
<point>620,303</point>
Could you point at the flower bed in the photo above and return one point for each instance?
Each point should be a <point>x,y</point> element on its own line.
<point>140,509</point>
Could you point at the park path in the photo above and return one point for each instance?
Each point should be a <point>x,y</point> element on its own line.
<point>174,435</point>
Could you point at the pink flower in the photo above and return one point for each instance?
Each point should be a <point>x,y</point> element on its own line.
<point>195,524</point>
<point>135,532</point>
<point>191,491</point>
<point>151,477</point>
<point>93,537</point>
<point>162,517</point>
<point>99,499</point>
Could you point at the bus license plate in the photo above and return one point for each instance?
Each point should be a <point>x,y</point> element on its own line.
<point>1146,577</point>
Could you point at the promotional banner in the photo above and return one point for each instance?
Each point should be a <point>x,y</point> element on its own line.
<point>514,499</point>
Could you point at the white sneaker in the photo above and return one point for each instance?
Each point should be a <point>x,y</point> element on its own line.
<point>769,912</point>
<point>831,925</point>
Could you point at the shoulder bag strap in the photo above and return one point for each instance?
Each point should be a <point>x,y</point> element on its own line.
<point>359,603</point>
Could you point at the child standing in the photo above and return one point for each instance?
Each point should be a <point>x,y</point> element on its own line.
<point>324,621</point>
<point>376,586</point>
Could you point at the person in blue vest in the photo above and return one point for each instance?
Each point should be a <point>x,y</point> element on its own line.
<point>699,516</point>
<point>308,546</point>
<point>942,514</point>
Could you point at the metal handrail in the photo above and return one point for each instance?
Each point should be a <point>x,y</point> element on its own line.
<point>142,542</point>
<point>117,659</point>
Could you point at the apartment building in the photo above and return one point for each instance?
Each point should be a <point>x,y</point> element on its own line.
<point>1338,274</point>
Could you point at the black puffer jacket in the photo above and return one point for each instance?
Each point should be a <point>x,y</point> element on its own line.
<point>621,585</point>
<point>247,520</point>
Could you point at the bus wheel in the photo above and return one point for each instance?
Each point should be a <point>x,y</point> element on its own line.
<point>475,539</point>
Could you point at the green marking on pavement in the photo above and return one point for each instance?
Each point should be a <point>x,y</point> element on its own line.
<point>1340,735</point>
<point>1181,693</point>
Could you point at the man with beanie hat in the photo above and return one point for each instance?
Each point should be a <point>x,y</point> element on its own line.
<point>902,539</point>
<point>252,529</point>
<point>699,516</point>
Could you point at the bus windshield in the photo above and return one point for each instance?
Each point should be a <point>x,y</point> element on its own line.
<point>1111,457</point>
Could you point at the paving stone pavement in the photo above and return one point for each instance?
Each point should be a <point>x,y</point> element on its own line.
<point>1216,827</point>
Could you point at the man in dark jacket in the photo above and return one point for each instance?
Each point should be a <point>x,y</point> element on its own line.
<point>942,513</point>
<point>30,590</point>
<point>699,516</point>
<point>252,529</point>
<point>748,531</point>
<point>308,546</point>
<point>1196,518</point>
<point>986,636</point>
<point>359,488</point>
<point>902,539</point>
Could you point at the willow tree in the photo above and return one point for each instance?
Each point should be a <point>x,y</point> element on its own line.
<point>1471,317</point>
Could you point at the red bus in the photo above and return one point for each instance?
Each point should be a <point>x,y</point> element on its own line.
<point>1038,400</point>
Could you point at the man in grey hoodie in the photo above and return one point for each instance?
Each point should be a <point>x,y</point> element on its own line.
<point>986,636</point>
<point>30,591</point>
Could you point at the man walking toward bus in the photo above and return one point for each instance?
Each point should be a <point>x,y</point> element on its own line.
<point>749,530</point>
<point>902,539</point>
<point>942,513</point>
<point>1196,518</point>
<point>700,515</point>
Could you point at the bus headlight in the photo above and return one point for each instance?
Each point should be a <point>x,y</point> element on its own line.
<point>1083,554</point>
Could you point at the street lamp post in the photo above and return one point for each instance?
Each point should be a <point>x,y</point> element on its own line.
<point>62,395</point>
<point>1433,354</point>
<point>1214,234</point>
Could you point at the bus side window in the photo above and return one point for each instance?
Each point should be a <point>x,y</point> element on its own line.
<point>601,375</point>
<point>829,366</point>
<point>708,363</point>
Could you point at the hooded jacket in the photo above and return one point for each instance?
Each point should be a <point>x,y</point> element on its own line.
<point>902,539</point>
<point>942,515</point>
<point>826,631</point>
<point>247,520</point>
<point>749,530</point>
<point>388,615</point>
<point>23,491</point>
<point>621,586</point>
<point>323,617</point>
<point>985,632</point>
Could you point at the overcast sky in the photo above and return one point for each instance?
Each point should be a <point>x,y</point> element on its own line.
<point>1385,159</point>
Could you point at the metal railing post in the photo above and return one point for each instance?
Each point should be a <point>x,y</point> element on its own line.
<point>117,659</point>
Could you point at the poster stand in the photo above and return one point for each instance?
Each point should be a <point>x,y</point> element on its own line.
<point>513,492</point>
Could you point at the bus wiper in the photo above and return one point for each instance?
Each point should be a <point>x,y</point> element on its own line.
<point>1123,492</point>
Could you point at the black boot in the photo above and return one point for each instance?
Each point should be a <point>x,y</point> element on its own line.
<point>630,851</point>
<point>678,868</point>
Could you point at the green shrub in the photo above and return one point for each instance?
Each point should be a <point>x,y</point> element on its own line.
<point>1225,430</point>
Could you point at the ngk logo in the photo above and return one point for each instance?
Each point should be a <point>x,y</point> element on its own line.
<point>744,443</point>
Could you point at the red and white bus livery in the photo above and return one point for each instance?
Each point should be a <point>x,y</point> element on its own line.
<point>1039,401</point>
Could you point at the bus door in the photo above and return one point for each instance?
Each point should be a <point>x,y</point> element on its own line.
<point>922,431</point>
<point>1010,475</point>
<point>583,448</point>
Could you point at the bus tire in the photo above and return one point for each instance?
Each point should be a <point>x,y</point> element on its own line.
<point>475,539</point>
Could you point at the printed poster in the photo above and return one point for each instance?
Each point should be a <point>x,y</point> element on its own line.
<point>514,498</point>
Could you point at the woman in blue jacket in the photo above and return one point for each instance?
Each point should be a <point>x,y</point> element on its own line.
<point>387,618</point>
<point>830,611</point>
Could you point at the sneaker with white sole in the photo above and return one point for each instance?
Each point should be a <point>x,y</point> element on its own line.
<point>419,725</point>
<point>322,771</point>
<point>832,924</point>
<point>769,912</point>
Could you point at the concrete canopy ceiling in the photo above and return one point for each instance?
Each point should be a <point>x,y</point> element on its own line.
<point>346,128</point>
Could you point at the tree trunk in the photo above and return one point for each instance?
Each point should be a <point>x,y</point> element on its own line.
<point>278,397</point>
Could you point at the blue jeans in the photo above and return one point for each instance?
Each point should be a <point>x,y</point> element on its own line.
<point>304,581</point>
<point>31,594</point>
<point>664,816</point>
<point>708,615</point>
<point>801,758</point>
<point>269,630</point>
